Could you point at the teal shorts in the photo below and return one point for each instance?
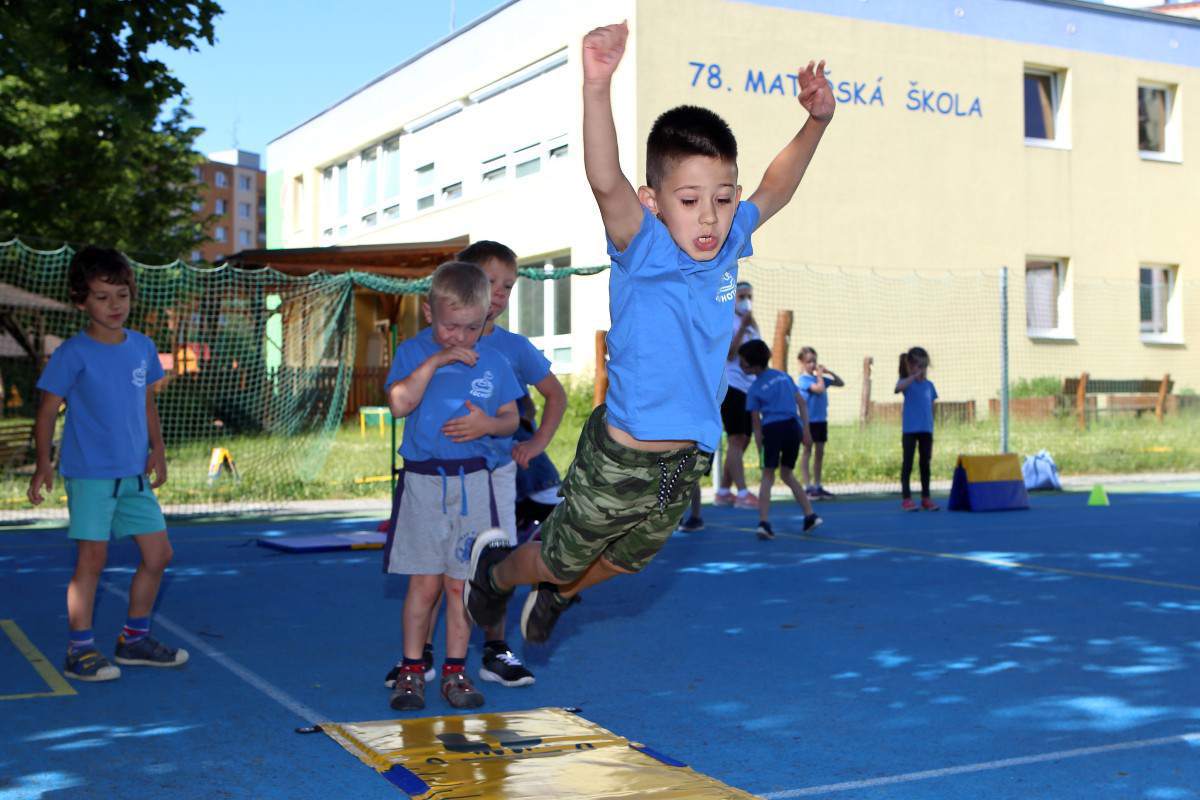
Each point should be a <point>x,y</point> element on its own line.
<point>104,507</point>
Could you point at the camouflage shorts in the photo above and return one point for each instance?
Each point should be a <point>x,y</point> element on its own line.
<point>618,502</point>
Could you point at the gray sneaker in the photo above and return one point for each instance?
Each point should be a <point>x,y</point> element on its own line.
<point>460,692</point>
<point>408,693</point>
<point>148,652</point>
<point>89,665</point>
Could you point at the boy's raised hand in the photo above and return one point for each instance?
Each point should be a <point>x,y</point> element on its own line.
<point>602,51</point>
<point>449,355</point>
<point>42,478</point>
<point>816,95</point>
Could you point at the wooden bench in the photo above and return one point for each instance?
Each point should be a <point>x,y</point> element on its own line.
<point>1136,395</point>
<point>16,444</point>
<point>943,411</point>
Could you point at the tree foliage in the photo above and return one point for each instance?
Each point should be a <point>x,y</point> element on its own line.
<point>95,134</point>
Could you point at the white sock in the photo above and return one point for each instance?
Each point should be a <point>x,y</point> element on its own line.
<point>724,492</point>
<point>743,492</point>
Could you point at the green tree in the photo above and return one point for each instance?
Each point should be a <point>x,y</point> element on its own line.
<point>95,134</point>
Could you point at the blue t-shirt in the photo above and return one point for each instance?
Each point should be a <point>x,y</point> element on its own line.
<point>671,317</point>
<point>105,434</point>
<point>529,365</point>
<point>918,407</point>
<point>488,385</point>
<point>773,396</point>
<point>817,402</point>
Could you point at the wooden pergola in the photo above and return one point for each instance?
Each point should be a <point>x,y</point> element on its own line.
<point>409,260</point>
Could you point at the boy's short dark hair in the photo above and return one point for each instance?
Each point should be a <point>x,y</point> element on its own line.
<point>92,263</point>
<point>756,353</point>
<point>485,250</point>
<point>686,131</point>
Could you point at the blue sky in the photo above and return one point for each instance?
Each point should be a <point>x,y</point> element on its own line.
<point>276,63</point>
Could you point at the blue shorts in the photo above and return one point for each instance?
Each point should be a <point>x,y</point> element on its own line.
<point>105,507</point>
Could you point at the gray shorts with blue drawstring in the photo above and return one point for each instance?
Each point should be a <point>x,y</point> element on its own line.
<point>438,510</point>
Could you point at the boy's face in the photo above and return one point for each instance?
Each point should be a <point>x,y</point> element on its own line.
<point>809,362</point>
<point>503,276</point>
<point>107,304</point>
<point>697,201</point>
<point>454,325</point>
<point>749,368</point>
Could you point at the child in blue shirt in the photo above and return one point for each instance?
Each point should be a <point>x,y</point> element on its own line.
<point>455,396</point>
<point>112,443</point>
<point>675,245</point>
<point>815,383</point>
<point>509,455</point>
<point>917,428</point>
<point>780,419</point>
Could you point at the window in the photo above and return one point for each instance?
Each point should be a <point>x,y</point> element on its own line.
<point>1159,304</point>
<point>220,206</point>
<point>452,192</point>
<point>196,255</point>
<point>327,193</point>
<point>196,171</point>
<point>244,238</point>
<point>1045,121</point>
<point>370,220</point>
<point>424,202</point>
<point>220,179</point>
<point>243,210</point>
<point>343,230</point>
<point>392,212</point>
<point>197,205</point>
<point>495,174</point>
<point>529,167</point>
<point>327,234</point>
<point>220,234</point>
<point>1047,314</point>
<point>297,202</point>
<point>558,152</point>
<point>1158,128</point>
<point>391,167</point>
<point>343,189</point>
<point>368,172</point>
<point>543,312</point>
<point>244,183</point>
<point>424,186</point>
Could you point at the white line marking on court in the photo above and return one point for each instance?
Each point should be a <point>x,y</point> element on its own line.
<point>908,777</point>
<point>310,715</point>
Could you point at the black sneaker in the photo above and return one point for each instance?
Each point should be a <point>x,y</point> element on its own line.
<point>542,609</point>
<point>691,524</point>
<point>394,672</point>
<point>811,521</point>
<point>501,666</point>
<point>765,531</point>
<point>485,606</point>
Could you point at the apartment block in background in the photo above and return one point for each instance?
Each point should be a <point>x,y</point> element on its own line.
<point>233,188</point>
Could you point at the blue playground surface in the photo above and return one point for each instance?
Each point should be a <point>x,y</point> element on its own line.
<point>1049,653</point>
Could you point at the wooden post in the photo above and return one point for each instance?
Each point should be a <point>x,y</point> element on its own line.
<point>783,335</point>
<point>1081,401</point>
<point>864,406</point>
<point>1160,407</point>
<point>601,386</point>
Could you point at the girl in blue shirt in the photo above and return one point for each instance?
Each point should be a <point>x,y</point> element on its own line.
<point>917,431</point>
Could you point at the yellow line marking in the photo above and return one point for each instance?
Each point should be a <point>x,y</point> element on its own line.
<point>57,683</point>
<point>991,562</point>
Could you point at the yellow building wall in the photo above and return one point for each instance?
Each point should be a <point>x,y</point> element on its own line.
<point>899,191</point>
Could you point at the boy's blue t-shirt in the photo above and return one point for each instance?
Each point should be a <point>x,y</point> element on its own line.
<point>817,402</point>
<point>918,407</point>
<point>671,318</point>
<point>529,365</point>
<point>104,385</point>
<point>773,396</point>
<point>488,385</point>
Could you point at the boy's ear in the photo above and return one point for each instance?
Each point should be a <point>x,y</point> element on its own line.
<point>427,311</point>
<point>648,199</point>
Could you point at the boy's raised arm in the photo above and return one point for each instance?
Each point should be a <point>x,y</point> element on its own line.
<point>619,205</point>
<point>782,177</point>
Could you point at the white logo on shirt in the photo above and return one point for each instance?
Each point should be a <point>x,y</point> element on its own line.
<point>728,288</point>
<point>483,387</point>
<point>139,375</point>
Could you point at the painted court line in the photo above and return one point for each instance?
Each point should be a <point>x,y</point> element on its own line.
<point>310,715</point>
<point>908,777</point>
<point>57,683</point>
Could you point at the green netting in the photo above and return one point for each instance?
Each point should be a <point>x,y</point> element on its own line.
<point>257,362</point>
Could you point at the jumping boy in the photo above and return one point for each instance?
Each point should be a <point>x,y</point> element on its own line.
<point>112,442</point>
<point>675,245</point>
<point>779,417</point>
<point>499,264</point>
<point>454,397</point>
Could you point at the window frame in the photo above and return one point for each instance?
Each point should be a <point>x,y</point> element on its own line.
<point>1060,105</point>
<point>1064,328</point>
<point>1169,312</point>
<point>549,343</point>
<point>1172,151</point>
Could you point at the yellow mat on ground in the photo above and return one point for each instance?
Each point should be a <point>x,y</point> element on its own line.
<point>519,755</point>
